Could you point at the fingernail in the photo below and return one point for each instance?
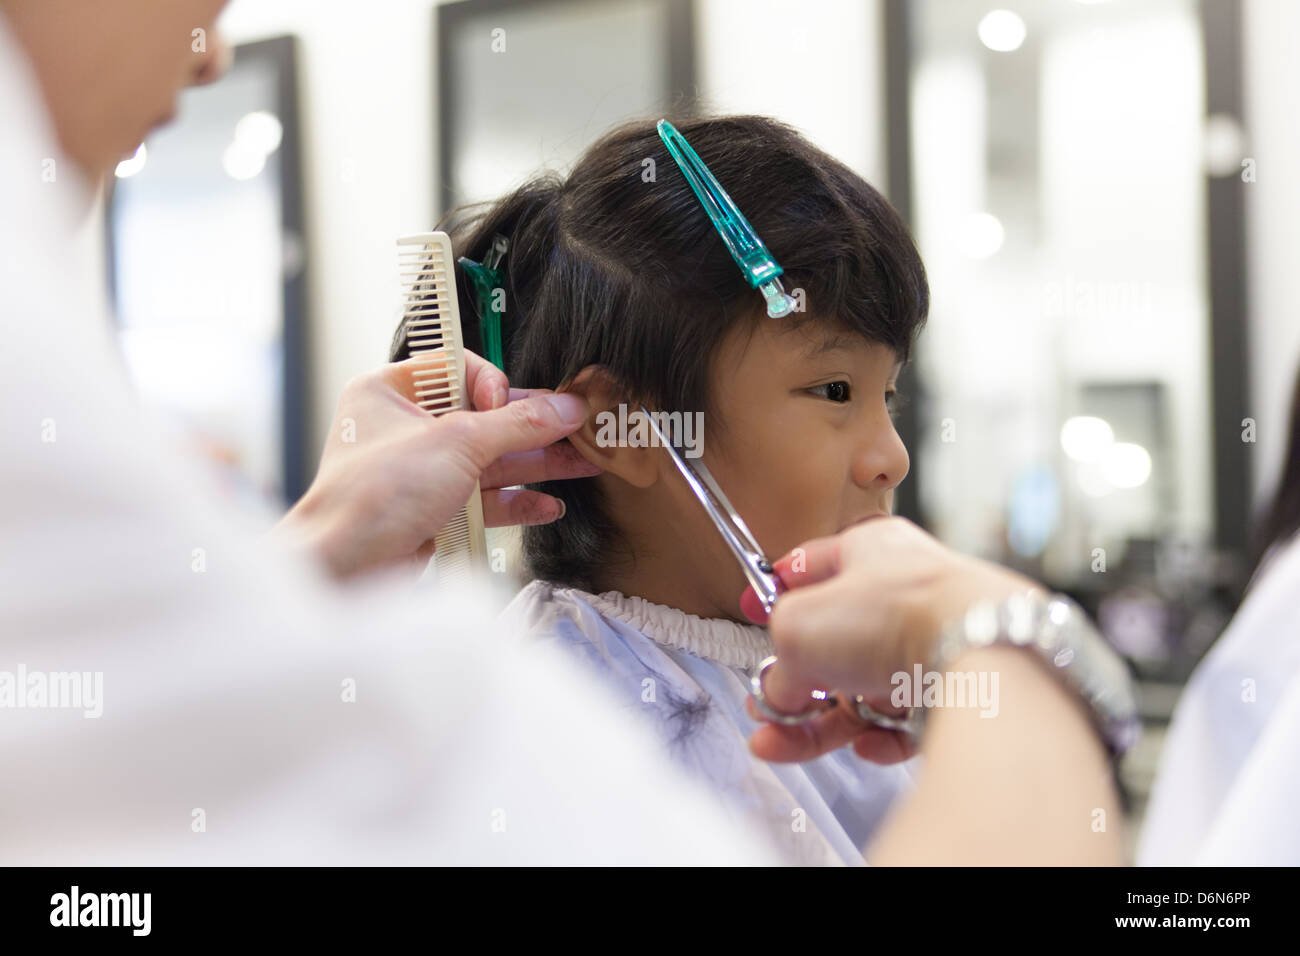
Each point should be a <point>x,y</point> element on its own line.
<point>571,409</point>
<point>752,607</point>
<point>500,397</point>
<point>563,509</point>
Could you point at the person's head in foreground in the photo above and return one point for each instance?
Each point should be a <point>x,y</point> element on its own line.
<point>619,288</point>
<point>110,73</point>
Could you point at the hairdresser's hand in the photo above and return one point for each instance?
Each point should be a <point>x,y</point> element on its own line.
<point>862,606</point>
<point>391,476</point>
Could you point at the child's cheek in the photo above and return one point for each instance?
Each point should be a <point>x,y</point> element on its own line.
<point>806,485</point>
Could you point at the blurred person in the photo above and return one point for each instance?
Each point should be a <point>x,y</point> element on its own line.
<point>175,688</point>
<point>1225,790</point>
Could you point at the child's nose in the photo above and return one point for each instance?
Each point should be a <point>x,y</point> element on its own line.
<point>881,461</point>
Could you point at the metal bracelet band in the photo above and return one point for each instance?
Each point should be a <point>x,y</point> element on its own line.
<point>1057,631</point>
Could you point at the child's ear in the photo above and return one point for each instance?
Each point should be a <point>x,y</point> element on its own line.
<point>599,440</point>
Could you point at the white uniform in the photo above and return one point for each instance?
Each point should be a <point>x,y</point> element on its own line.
<point>1229,781</point>
<point>249,712</point>
<point>688,677</point>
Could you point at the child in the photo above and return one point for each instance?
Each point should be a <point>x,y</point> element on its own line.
<point>619,288</point>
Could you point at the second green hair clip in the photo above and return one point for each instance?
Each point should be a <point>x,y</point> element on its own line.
<point>489,278</point>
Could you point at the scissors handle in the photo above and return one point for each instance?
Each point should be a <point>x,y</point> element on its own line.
<point>821,701</point>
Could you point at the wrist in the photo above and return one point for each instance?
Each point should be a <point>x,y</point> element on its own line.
<point>1012,616</point>
<point>309,527</point>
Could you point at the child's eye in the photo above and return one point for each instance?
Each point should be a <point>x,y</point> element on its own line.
<point>838,392</point>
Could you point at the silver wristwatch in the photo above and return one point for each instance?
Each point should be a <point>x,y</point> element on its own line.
<point>1057,630</point>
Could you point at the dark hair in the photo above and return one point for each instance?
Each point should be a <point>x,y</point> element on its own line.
<point>1281,520</point>
<point>618,265</point>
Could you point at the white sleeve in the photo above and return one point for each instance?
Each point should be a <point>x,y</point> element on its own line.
<point>1257,823</point>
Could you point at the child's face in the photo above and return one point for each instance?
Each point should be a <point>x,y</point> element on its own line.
<point>803,444</point>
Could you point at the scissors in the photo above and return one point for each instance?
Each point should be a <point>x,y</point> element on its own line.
<point>757,569</point>
<point>766,585</point>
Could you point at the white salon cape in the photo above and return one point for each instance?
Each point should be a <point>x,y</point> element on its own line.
<point>1227,792</point>
<point>252,712</point>
<point>687,678</point>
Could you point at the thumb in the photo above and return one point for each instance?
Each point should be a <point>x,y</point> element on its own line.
<point>524,425</point>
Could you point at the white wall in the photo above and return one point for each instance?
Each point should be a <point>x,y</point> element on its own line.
<point>1273,222</point>
<point>817,64</point>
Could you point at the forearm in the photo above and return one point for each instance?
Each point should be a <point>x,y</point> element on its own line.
<point>1031,785</point>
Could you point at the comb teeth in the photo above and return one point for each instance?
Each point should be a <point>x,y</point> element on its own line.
<point>455,552</point>
<point>431,317</point>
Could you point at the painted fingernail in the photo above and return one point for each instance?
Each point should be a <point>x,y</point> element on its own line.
<point>752,607</point>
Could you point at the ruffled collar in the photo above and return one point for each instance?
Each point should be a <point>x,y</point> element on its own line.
<point>713,639</point>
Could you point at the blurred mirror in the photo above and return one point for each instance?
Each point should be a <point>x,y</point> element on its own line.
<point>206,262</point>
<point>526,86</point>
<point>1059,200</point>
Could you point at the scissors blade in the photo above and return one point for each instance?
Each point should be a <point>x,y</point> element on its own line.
<point>739,539</point>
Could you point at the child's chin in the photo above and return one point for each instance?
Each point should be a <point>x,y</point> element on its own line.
<point>865,518</point>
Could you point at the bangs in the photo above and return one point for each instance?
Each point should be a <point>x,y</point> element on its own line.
<point>854,259</point>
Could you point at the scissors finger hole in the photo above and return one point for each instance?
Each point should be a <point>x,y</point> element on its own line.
<point>822,701</point>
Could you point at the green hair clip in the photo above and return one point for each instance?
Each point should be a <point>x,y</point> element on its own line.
<point>487,277</point>
<point>757,263</point>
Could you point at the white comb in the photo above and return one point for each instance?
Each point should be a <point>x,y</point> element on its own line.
<point>431,314</point>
